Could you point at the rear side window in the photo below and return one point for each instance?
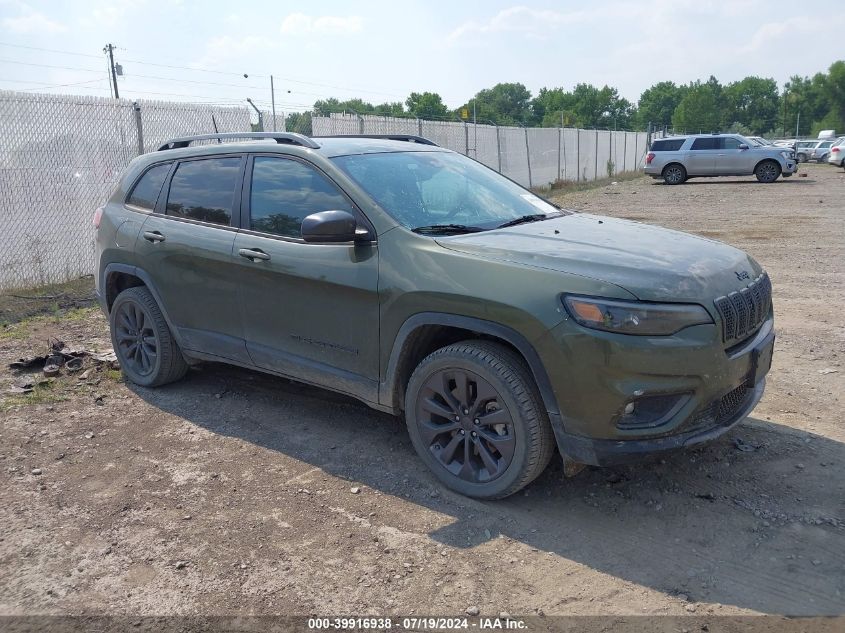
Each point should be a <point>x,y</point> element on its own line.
<point>145,192</point>
<point>667,145</point>
<point>706,143</point>
<point>285,191</point>
<point>204,190</point>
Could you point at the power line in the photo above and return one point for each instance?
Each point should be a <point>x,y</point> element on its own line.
<point>201,70</point>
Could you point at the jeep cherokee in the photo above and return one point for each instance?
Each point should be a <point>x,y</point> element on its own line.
<point>424,284</point>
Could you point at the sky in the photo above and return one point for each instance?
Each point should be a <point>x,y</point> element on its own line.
<point>194,50</point>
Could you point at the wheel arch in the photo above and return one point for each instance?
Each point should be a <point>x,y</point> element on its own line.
<point>118,277</point>
<point>425,332</point>
<point>768,160</point>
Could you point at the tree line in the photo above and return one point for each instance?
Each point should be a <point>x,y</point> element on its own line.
<point>753,105</point>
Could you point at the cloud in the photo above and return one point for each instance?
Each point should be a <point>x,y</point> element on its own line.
<point>533,23</point>
<point>32,22</point>
<point>300,23</point>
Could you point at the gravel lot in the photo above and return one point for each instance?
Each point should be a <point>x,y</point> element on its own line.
<point>235,492</point>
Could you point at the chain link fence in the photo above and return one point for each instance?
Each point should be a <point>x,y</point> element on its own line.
<point>61,157</point>
<point>533,157</point>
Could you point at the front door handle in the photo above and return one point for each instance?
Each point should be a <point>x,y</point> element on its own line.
<point>153,236</point>
<point>253,254</point>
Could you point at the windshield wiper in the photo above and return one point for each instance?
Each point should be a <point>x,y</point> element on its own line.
<point>447,228</point>
<point>534,217</point>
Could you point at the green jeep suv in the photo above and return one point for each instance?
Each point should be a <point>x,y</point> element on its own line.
<point>424,284</point>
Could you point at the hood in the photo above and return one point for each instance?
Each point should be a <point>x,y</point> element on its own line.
<point>652,263</point>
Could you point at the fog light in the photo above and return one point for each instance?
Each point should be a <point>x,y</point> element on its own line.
<point>629,408</point>
<point>650,411</point>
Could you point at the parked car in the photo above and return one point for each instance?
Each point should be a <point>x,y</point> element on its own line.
<point>678,158</point>
<point>837,153</point>
<point>424,284</point>
<point>821,151</point>
<point>804,149</point>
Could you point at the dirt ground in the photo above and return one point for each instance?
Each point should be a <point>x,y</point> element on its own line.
<point>231,491</point>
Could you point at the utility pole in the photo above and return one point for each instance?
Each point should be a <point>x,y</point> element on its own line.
<point>273,101</point>
<point>109,49</point>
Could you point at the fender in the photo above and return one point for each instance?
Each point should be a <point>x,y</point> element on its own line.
<point>541,378</point>
<point>141,274</point>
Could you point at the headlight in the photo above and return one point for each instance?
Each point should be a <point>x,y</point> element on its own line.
<point>786,155</point>
<point>635,317</point>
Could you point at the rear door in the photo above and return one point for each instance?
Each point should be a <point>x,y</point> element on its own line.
<point>701,158</point>
<point>186,249</point>
<point>309,310</point>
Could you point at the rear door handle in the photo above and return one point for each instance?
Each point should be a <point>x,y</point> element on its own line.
<point>253,254</point>
<point>153,236</point>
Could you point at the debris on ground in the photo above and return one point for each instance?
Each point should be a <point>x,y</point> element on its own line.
<point>60,356</point>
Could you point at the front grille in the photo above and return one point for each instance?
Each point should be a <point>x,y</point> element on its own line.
<point>743,311</point>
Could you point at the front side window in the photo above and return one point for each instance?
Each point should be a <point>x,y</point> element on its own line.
<point>204,190</point>
<point>705,143</point>
<point>145,192</point>
<point>731,143</point>
<point>439,189</point>
<point>285,191</point>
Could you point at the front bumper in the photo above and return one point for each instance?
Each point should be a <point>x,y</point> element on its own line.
<point>595,452</point>
<point>595,375</point>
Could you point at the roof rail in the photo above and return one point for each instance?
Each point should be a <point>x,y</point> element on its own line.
<point>289,138</point>
<point>408,138</point>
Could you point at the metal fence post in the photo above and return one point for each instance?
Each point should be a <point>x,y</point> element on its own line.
<point>637,151</point>
<point>611,151</point>
<point>419,126</point>
<point>528,158</point>
<point>563,142</point>
<point>577,154</point>
<point>559,141</point>
<point>498,148</point>
<point>625,152</point>
<point>139,126</point>
<point>466,139</point>
<point>596,172</point>
<point>360,124</point>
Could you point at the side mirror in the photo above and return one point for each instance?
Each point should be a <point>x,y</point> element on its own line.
<point>743,146</point>
<point>329,226</point>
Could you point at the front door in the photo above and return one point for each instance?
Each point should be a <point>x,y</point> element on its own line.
<point>310,311</point>
<point>732,160</point>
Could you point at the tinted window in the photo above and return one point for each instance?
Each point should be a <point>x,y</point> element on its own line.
<point>668,145</point>
<point>730,142</point>
<point>145,193</point>
<point>706,143</point>
<point>204,190</point>
<point>286,191</point>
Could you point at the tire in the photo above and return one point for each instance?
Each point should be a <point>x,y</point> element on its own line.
<point>141,338</point>
<point>767,171</point>
<point>450,434</point>
<point>801,157</point>
<point>674,174</point>
<point>823,159</point>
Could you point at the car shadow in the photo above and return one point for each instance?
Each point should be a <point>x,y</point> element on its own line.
<point>754,519</point>
<point>793,180</point>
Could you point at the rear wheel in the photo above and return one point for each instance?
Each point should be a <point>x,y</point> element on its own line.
<point>674,174</point>
<point>767,171</point>
<point>476,420</point>
<point>142,341</point>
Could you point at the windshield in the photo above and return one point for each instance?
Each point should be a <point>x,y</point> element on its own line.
<point>442,189</point>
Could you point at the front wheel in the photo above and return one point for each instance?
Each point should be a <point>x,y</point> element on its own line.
<point>476,420</point>
<point>801,158</point>
<point>767,171</point>
<point>674,174</point>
